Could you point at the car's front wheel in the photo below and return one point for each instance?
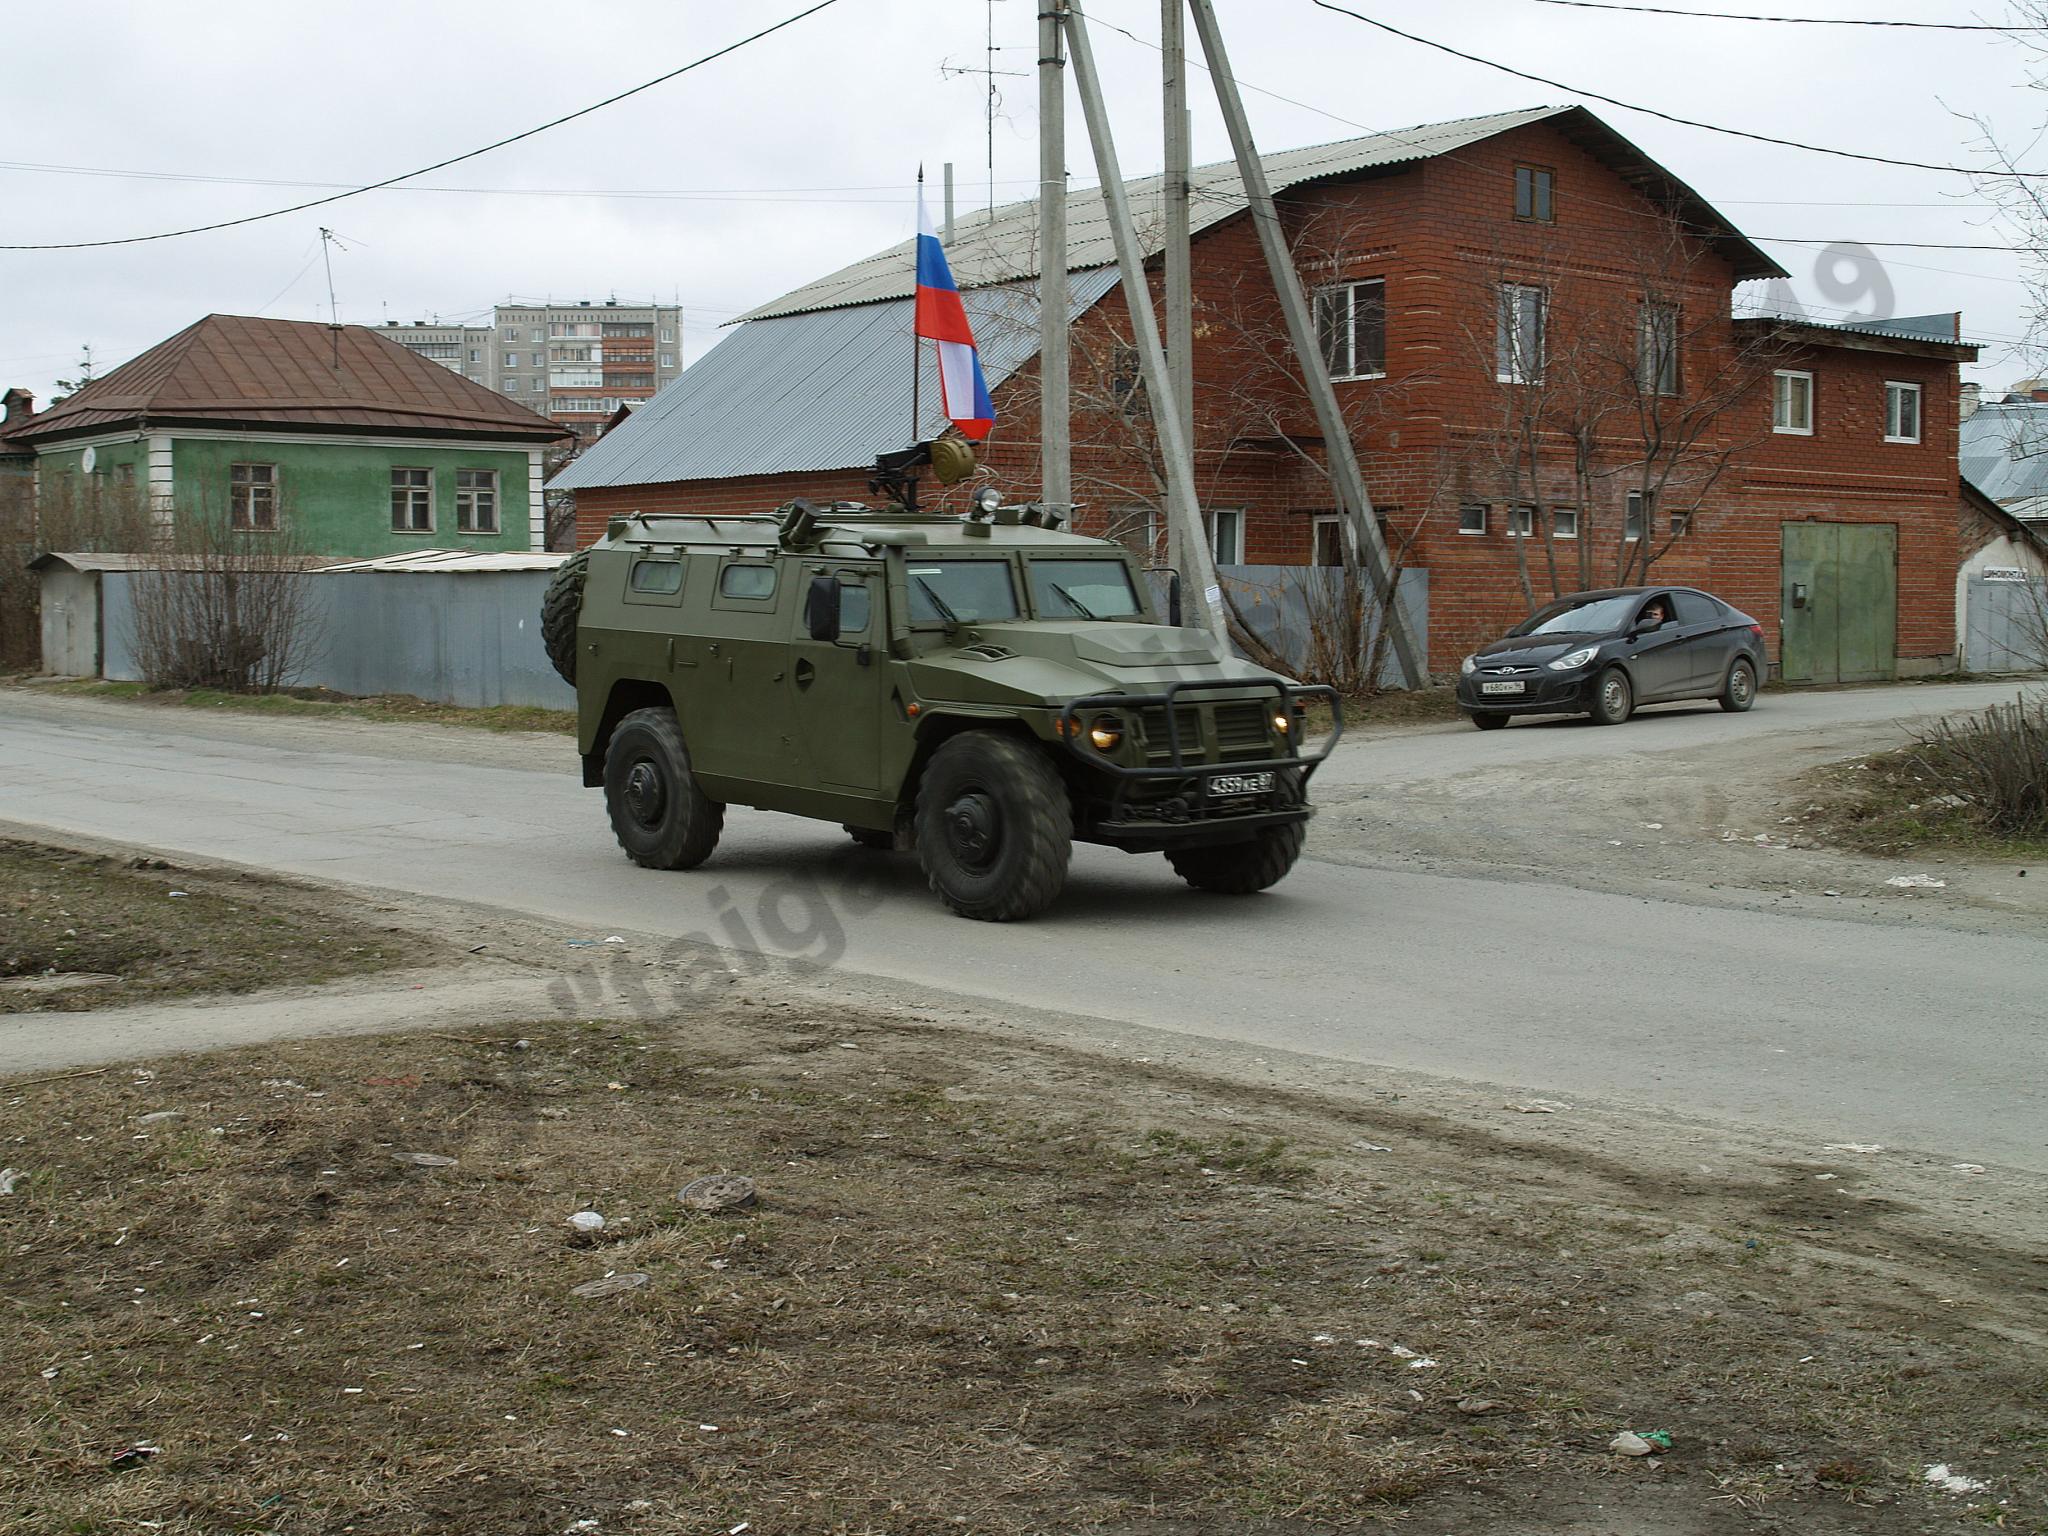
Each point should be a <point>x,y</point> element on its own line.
<point>1740,691</point>
<point>663,819</point>
<point>994,827</point>
<point>1489,720</point>
<point>1613,699</point>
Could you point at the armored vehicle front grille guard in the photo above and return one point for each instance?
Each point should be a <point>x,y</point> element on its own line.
<point>1175,745</point>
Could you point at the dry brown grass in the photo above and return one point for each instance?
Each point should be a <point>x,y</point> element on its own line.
<point>79,930</point>
<point>984,1291</point>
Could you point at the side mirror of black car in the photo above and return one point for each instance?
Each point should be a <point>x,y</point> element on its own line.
<point>821,608</point>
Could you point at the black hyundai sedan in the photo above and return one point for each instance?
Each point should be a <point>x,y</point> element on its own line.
<point>1603,653</point>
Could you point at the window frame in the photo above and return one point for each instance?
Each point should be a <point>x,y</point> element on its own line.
<point>1350,372</point>
<point>1543,176</point>
<point>1557,517</point>
<point>1899,389</point>
<point>1638,511</point>
<point>241,511</point>
<point>409,489</point>
<point>1334,521</point>
<point>1214,518</point>
<point>1521,520</point>
<point>1485,511</point>
<point>761,601</point>
<point>1648,313</point>
<point>465,502</point>
<point>1509,359</point>
<point>1782,376</point>
<point>652,598</point>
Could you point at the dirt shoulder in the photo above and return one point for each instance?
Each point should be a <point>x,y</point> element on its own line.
<point>85,930</point>
<point>1015,1287</point>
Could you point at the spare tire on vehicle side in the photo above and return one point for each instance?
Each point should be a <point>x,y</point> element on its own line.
<point>560,609</point>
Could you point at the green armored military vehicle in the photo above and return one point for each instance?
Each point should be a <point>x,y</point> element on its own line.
<point>984,690</point>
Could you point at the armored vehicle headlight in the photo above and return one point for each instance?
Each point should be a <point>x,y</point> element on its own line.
<point>1282,724</point>
<point>987,499</point>
<point>1105,733</point>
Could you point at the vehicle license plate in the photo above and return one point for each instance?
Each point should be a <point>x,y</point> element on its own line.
<point>1240,783</point>
<point>1501,687</point>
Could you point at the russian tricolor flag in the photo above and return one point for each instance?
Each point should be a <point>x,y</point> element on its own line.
<point>941,317</point>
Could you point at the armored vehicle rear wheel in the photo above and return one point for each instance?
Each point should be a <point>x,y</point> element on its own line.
<point>663,820</point>
<point>1239,869</point>
<point>560,608</point>
<point>994,829</point>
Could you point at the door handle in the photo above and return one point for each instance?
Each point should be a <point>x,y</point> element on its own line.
<point>806,674</point>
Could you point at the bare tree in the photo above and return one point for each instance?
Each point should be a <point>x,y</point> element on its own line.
<point>227,603</point>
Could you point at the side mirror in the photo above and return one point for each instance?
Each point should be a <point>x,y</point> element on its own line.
<point>1172,592</point>
<point>821,608</point>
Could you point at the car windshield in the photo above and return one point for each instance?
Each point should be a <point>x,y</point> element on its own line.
<point>1580,616</point>
<point>1082,589</point>
<point>961,591</point>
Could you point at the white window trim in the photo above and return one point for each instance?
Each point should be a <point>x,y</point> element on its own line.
<point>1792,373</point>
<point>1350,291</point>
<point>1643,513</point>
<point>1513,511</point>
<point>1533,375</point>
<point>249,524</point>
<point>1485,512</point>
<point>1213,518</point>
<point>493,490</point>
<point>1334,521</point>
<point>1572,513</point>
<point>1919,406</point>
<point>433,512</point>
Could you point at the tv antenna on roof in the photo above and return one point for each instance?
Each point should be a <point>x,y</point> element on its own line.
<point>328,240</point>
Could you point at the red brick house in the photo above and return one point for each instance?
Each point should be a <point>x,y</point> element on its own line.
<point>1529,322</point>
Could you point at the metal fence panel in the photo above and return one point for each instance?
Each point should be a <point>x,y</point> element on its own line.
<point>2005,625</point>
<point>1279,603</point>
<point>470,638</point>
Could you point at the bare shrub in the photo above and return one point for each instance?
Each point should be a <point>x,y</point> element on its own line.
<point>226,607</point>
<point>1996,763</point>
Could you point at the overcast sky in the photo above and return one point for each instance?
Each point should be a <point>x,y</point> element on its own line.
<point>791,157</point>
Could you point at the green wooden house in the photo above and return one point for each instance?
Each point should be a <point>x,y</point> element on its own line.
<point>348,442</point>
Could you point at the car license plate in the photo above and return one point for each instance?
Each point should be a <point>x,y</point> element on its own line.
<point>1240,783</point>
<point>1502,687</point>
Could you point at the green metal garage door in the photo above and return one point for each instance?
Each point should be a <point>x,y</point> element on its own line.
<point>1841,603</point>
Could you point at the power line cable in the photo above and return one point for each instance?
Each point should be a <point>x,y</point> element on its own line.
<point>1669,117</point>
<point>1809,21</point>
<point>254,218</point>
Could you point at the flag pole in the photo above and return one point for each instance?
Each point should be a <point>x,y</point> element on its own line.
<point>916,343</point>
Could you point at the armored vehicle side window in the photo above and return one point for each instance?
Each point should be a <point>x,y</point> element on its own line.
<point>853,609</point>
<point>662,578</point>
<point>961,591</point>
<point>1082,589</point>
<point>754,581</point>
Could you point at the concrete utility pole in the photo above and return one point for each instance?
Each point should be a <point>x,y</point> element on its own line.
<point>1055,449</point>
<point>1361,530</point>
<point>1180,309</point>
<point>1181,505</point>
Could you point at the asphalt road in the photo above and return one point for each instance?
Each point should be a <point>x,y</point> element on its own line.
<point>1845,1031</point>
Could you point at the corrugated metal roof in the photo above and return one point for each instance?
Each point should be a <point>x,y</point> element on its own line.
<point>1942,327</point>
<point>234,370</point>
<point>445,561</point>
<point>2003,451</point>
<point>96,560</point>
<point>825,389</point>
<point>1002,246</point>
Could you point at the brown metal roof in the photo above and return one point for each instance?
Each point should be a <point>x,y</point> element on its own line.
<point>237,370</point>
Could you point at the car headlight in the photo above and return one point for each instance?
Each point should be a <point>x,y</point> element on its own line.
<point>1572,659</point>
<point>1105,733</point>
<point>1467,667</point>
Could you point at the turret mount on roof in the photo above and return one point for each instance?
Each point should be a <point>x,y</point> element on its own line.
<point>950,460</point>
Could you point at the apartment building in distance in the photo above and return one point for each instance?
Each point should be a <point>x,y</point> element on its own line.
<point>574,363</point>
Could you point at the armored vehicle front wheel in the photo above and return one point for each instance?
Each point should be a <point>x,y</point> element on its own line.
<point>994,829</point>
<point>1239,869</point>
<point>663,820</point>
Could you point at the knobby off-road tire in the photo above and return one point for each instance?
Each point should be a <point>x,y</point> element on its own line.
<point>1488,720</point>
<point>560,608</point>
<point>1613,699</point>
<point>1740,690</point>
<point>1240,869</point>
<point>662,818</point>
<point>994,829</point>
